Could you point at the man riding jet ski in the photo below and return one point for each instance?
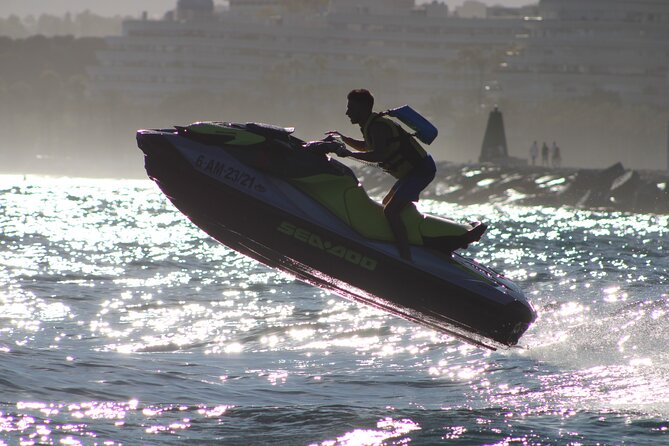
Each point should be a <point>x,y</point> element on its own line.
<point>284,202</point>
<point>398,153</point>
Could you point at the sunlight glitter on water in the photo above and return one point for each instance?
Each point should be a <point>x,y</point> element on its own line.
<point>123,332</point>
<point>601,247</point>
<point>45,423</point>
<point>386,429</point>
<point>41,423</point>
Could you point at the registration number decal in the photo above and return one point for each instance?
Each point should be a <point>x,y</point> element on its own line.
<point>229,174</point>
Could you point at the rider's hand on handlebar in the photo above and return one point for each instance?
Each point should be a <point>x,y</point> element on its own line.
<point>335,136</point>
<point>343,152</point>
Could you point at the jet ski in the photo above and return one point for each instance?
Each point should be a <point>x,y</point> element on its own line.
<point>287,203</point>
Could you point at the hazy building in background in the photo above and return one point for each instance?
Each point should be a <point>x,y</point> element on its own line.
<point>83,24</point>
<point>471,9</point>
<point>335,45</point>
<point>592,75</point>
<point>599,49</point>
<point>469,57</point>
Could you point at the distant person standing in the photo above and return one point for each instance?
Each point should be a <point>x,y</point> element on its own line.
<point>556,158</point>
<point>534,152</point>
<point>544,154</point>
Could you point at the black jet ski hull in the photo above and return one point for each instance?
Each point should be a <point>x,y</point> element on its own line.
<point>324,258</point>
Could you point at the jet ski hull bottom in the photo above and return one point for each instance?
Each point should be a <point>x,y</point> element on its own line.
<point>325,259</point>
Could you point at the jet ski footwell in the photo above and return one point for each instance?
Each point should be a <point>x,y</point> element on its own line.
<point>324,258</point>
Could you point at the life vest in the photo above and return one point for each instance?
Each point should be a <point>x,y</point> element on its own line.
<point>404,153</point>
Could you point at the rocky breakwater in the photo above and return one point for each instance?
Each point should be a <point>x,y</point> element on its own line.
<point>614,188</point>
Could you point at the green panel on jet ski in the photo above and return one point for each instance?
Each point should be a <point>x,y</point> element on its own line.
<point>438,227</point>
<point>367,218</point>
<point>349,201</point>
<point>329,191</point>
<point>240,137</point>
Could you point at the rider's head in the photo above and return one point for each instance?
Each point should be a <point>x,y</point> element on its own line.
<point>360,104</point>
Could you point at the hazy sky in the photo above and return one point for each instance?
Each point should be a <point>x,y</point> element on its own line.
<point>135,7</point>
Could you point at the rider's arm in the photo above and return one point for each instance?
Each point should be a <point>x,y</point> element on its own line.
<point>355,143</point>
<point>382,141</point>
<point>372,156</point>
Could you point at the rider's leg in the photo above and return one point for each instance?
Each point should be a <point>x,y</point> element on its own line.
<point>392,210</point>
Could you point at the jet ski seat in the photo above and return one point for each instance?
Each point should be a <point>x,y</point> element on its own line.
<point>349,201</point>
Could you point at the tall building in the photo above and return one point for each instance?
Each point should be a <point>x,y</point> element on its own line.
<point>639,11</point>
<point>389,45</point>
<point>615,49</point>
<point>561,49</point>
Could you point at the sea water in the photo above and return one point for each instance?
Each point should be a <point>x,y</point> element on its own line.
<point>122,323</point>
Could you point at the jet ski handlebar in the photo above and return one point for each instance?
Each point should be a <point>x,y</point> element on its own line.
<point>329,144</point>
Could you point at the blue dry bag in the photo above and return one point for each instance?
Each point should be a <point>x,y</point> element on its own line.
<point>424,130</point>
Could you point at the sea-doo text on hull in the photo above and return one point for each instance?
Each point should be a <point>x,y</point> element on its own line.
<point>266,194</point>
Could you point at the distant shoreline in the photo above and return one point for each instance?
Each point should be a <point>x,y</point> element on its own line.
<point>614,188</point>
